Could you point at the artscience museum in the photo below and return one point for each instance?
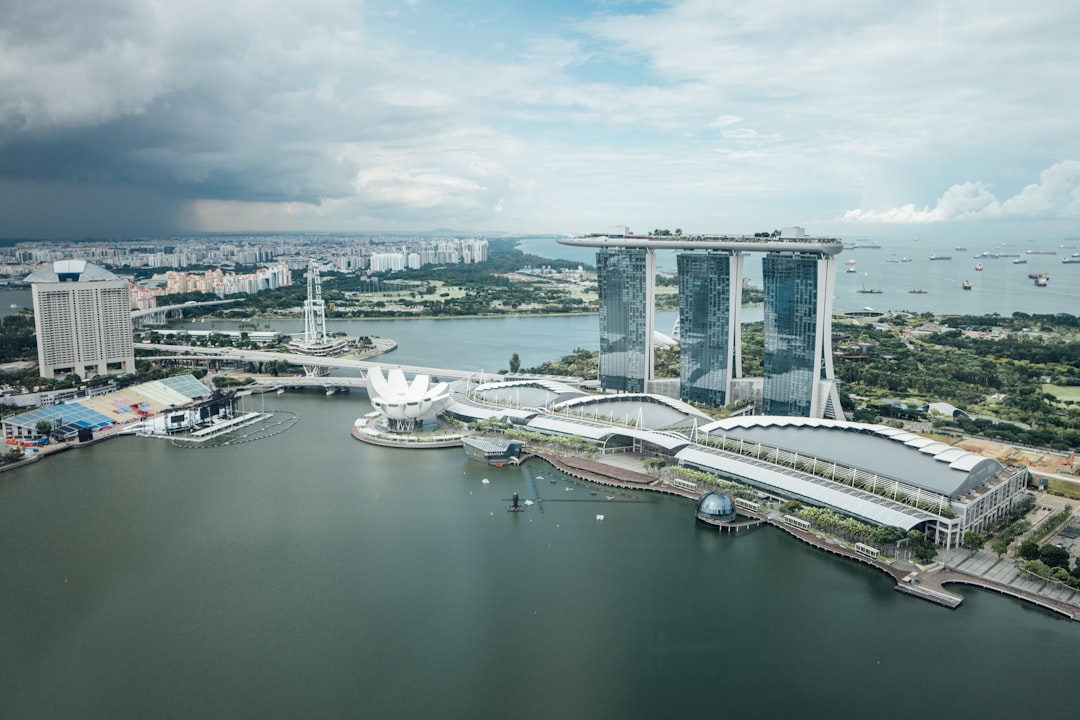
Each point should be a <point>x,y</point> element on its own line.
<point>405,405</point>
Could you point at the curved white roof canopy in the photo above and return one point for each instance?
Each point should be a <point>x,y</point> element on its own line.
<point>397,398</point>
<point>653,412</point>
<point>955,471</point>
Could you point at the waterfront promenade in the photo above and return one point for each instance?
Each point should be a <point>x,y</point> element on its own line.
<point>960,567</point>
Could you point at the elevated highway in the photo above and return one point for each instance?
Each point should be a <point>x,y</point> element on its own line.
<point>159,315</point>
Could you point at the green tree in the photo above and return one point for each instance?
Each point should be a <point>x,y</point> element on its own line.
<point>972,541</point>
<point>44,428</point>
<point>515,363</point>
<point>887,534</point>
<point>922,547</point>
<point>1000,547</point>
<point>654,463</point>
<point>1028,549</point>
<point>1054,556</point>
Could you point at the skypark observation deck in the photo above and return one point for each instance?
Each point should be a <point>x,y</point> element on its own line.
<point>734,243</point>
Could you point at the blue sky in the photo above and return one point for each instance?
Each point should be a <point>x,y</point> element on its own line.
<point>857,119</point>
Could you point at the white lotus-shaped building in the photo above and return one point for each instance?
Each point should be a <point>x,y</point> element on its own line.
<point>404,403</point>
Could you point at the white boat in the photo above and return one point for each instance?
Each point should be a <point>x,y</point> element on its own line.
<point>599,518</point>
<point>486,481</point>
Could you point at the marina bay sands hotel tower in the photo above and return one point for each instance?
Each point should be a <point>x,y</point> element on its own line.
<point>799,275</point>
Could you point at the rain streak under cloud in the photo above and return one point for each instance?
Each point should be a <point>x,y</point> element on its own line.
<point>132,117</point>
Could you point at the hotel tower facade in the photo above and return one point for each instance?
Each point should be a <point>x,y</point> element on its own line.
<point>82,316</point>
<point>799,279</point>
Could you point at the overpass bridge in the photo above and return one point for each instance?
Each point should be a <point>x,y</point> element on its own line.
<point>160,315</point>
<point>327,382</point>
<point>187,352</point>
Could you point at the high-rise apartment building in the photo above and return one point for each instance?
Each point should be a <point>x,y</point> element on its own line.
<point>626,285</point>
<point>82,315</point>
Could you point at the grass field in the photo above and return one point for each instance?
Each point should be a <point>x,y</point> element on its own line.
<point>1064,487</point>
<point>1063,392</point>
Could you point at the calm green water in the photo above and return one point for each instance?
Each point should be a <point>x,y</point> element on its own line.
<point>314,576</point>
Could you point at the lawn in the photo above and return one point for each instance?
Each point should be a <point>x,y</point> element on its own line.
<point>1066,488</point>
<point>1063,392</point>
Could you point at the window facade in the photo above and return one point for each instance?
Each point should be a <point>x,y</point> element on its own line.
<point>710,295</point>
<point>83,328</point>
<point>625,283</point>
<point>792,340</point>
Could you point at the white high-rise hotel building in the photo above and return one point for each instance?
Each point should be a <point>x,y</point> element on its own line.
<point>82,315</point>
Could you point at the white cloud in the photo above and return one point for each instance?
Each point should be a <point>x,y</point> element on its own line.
<point>705,115</point>
<point>1056,195</point>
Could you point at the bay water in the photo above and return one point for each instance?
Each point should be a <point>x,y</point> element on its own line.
<point>310,575</point>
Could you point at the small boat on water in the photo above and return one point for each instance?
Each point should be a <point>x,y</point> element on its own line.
<point>1071,260</point>
<point>941,257</point>
<point>1041,279</point>
<point>905,259</point>
<point>917,291</point>
<point>978,267</point>
<point>966,285</point>
<point>850,269</point>
<point>1019,261</point>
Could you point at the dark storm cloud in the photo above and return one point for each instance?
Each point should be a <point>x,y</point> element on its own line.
<point>229,101</point>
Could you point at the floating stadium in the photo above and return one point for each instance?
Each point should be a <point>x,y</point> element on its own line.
<point>79,419</point>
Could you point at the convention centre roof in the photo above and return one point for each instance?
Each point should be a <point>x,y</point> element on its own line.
<point>534,393</point>
<point>646,411</point>
<point>602,433</point>
<point>469,411</point>
<point>790,483</point>
<point>889,452</point>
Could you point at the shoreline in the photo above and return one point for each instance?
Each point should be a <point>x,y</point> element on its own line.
<point>924,584</point>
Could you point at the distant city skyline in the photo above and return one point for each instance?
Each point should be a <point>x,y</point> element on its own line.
<point>935,118</point>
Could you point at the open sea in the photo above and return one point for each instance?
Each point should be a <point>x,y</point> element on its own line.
<point>1000,287</point>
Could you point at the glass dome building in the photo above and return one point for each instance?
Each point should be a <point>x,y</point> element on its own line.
<point>715,508</point>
